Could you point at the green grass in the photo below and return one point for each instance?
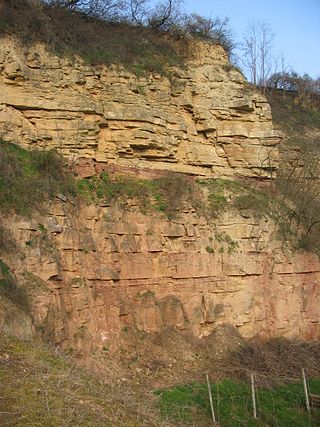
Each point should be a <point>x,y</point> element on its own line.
<point>30,177</point>
<point>164,194</point>
<point>277,406</point>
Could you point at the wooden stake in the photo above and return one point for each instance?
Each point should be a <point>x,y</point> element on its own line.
<point>210,398</point>
<point>253,393</point>
<point>305,390</point>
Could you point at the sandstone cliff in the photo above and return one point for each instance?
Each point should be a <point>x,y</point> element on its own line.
<point>204,120</point>
<point>97,272</point>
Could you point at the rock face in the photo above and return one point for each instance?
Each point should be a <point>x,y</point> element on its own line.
<point>95,273</point>
<point>205,120</point>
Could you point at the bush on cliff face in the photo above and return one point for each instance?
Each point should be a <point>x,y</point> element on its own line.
<point>30,177</point>
<point>10,289</point>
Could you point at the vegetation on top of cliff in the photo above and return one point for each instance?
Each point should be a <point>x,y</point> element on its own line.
<point>115,38</point>
<point>28,178</point>
<point>295,113</point>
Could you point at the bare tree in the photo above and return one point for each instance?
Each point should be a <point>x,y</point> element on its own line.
<point>257,49</point>
<point>250,51</point>
<point>265,52</point>
<point>104,9</point>
<point>161,15</point>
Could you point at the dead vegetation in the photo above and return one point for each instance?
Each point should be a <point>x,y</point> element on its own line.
<point>39,388</point>
<point>277,359</point>
<point>297,179</point>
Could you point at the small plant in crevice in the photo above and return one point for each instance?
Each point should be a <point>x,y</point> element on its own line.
<point>227,243</point>
<point>209,249</point>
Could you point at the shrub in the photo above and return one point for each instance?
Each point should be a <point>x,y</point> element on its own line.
<point>30,177</point>
<point>10,289</point>
<point>214,30</point>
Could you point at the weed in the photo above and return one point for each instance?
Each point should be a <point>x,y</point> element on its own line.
<point>227,242</point>
<point>210,249</point>
<point>257,202</point>
<point>141,90</point>
<point>162,194</point>
<point>218,203</point>
<point>42,229</point>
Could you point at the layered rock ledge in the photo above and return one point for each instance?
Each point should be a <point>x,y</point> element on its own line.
<point>96,272</point>
<point>203,120</point>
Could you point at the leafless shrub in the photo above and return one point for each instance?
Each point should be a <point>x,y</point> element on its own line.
<point>278,358</point>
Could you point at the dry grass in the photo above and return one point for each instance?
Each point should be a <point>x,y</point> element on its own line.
<point>39,388</point>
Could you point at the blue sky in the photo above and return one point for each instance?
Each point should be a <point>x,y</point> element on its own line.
<point>295,24</point>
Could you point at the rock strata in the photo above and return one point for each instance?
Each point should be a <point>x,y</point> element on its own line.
<point>204,120</point>
<point>96,273</point>
<point>100,272</point>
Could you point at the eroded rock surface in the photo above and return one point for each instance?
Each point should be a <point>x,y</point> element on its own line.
<point>96,274</point>
<point>100,272</point>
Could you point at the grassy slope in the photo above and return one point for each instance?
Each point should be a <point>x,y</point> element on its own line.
<point>39,388</point>
<point>299,123</point>
<point>281,405</point>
